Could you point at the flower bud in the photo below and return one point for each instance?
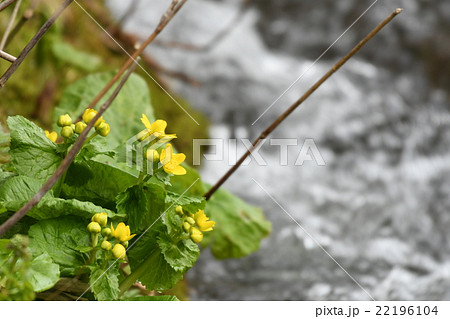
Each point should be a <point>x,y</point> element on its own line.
<point>88,115</point>
<point>106,232</point>
<point>106,245</point>
<point>179,210</point>
<point>125,244</point>
<point>196,235</point>
<point>64,120</point>
<point>53,136</point>
<point>103,129</point>
<point>79,127</point>
<point>186,226</point>
<point>101,218</point>
<point>190,220</point>
<point>66,131</point>
<point>94,227</point>
<point>152,155</point>
<point>119,251</point>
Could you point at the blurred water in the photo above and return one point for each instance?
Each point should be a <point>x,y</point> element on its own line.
<point>380,206</point>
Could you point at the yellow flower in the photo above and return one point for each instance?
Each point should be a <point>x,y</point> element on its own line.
<point>94,227</point>
<point>101,218</point>
<point>89,114</point>
<point>64,120</point>
<point>171,162</point>
<point>103,129</point>
<point>53,136</point>
<point>152,155</point>
<point>196,235</point>
<point>79,127</point>
<point>106,245</point>
<point>119,251</point>
<point>67,131</point>
<point>156,128</point>
<point>203,222</point>
<point>122,232</point>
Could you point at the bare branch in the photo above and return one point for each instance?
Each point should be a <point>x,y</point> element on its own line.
<point>38,36</point>
<point>66,161</point>
<point>10,25</point>
<point>294,106</point>
<point>7,56</point>
<point>27,15</point>
<point>6,4</point>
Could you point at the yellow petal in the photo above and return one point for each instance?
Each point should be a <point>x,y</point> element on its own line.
<point>177,158</point>
<point>146,122</point>
<point>159,126</point>
<point>179,170</point>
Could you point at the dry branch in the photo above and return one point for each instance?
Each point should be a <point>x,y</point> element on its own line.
<point>6,4</point>
<point>38,36</point>
<point>27,15</point>
<point>294,106</point>
<point>7,56</point>
<point>10,25</point>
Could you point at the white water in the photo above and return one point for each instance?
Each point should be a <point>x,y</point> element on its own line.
<point>380,206</point>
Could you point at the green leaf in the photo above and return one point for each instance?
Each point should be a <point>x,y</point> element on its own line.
<point>59,238</point>
<point>143,204</point>
<point>125,112</point>
<point>190,183</point>
<point>190,204</point>
<point>158,274</point>
<point>56,207</point>
<point>182,255</point>
<point>21,227</point>
<point>105,282</point>
<point>96,182</point>
<point>18,190</point>
<point>44,273</point>
<point>153,298</point>
<point>32,153</point>
<point>239,227</point>
<point>66,53</point>
<point>95,148</point>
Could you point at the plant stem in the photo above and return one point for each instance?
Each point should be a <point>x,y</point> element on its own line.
<point>133,277</point>
<point>294,106</point>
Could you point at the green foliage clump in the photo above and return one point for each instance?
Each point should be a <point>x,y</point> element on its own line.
<point>105,212</point>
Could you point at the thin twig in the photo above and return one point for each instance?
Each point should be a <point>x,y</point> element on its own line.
<point>165,19</point>
<point>10,25</point>
<point>27,15</point>
<point>283,116</point>
<point>7,56</point>
<point>13,67</point>
<point>216,39</point>
<point>65,162</point>
<point>6,4</point>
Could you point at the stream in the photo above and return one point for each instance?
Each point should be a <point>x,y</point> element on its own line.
<point>380,207</point>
